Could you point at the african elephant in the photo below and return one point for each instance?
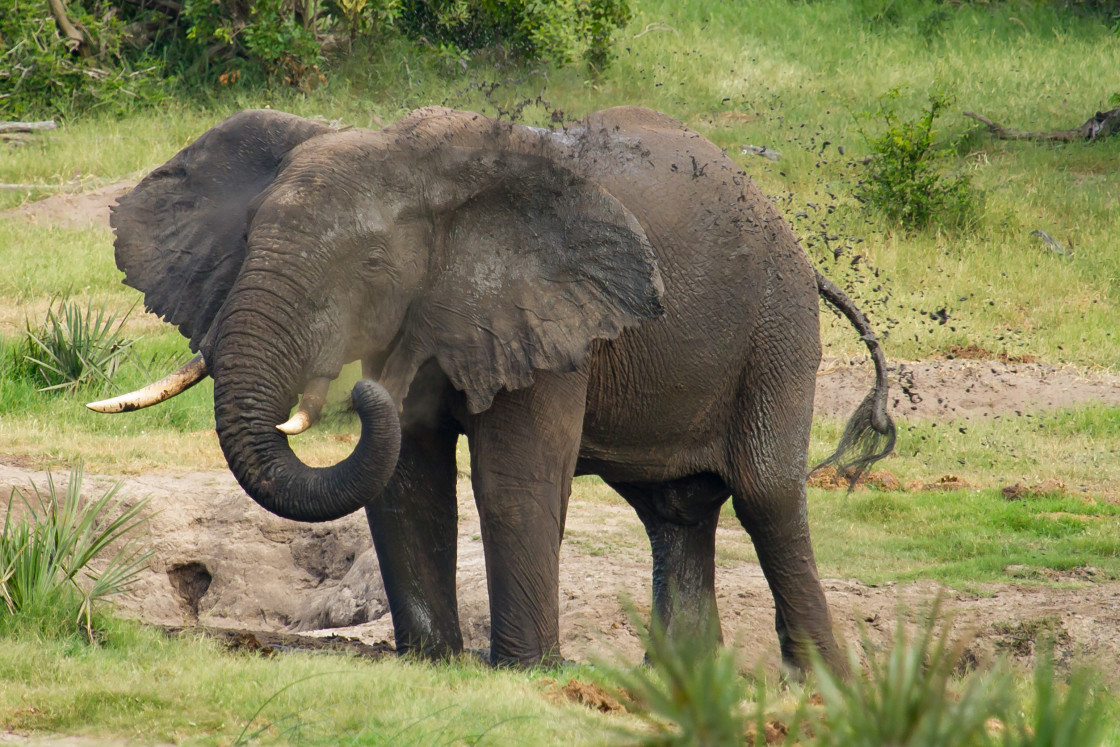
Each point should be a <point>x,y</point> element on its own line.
<point>613,298</point>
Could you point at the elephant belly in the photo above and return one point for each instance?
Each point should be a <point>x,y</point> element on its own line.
<point>659,409</point>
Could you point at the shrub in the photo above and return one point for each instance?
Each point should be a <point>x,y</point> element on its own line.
<point>905,180</point>
<point>689,695</point>
<point>76,348</point>
<point>558,31</point>
<point>45,554</point>
<point>41,72</point>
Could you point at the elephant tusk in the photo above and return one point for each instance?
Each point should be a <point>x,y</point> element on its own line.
<point>192,372</point>
<point>310,405</point>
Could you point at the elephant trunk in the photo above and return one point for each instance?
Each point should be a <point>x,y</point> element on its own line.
<point>253,386</point>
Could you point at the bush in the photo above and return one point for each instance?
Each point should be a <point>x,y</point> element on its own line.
<point>905,179</point>
<point>41,72</point>
<point>688,695</point>
<point>44,555</point>
<point>75,348</point>
<point>559,31</point>
<point>906,696</point>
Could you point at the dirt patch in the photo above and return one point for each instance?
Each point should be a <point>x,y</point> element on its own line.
<point>72,209</point>
<point>585,693</point>
<point>271,643</point>
<point>268,577</point>
<point>962,388</point>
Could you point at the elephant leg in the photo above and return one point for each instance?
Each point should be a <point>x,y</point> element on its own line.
<point>680,518</point>
<point>414,527</point>
<point>768,458</point>
<point>523,456</point>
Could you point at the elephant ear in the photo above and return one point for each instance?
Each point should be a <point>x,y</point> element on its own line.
<point>537,265</point>
<point>181,232</point>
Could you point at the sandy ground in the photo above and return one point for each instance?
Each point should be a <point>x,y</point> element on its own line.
<point>221,561</point>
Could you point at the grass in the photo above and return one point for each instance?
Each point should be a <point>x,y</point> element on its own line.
<point>137,684</point>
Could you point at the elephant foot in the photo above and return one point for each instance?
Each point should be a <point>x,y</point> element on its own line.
<point>505,659</point>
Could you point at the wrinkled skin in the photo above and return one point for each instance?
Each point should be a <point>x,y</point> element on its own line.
<point>616,298</point>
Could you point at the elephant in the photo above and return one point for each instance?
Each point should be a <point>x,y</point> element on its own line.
<point>615,297</point>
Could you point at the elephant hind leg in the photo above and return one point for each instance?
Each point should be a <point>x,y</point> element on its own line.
<point>769,458</point>
<point>680,518</point>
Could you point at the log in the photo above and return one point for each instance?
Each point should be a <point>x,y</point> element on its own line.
<point>1100,125</point>
<point>27,126</point>
<point>76,40</point>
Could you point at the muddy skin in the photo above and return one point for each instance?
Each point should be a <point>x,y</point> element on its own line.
<point>614,298</point>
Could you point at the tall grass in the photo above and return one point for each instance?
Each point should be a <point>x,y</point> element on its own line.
<point>47,576</point>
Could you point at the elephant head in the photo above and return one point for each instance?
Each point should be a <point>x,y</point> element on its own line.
<point>284,249</point>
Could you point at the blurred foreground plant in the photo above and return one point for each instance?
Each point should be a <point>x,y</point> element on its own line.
<point>46,581</point>
<point>907,695</point>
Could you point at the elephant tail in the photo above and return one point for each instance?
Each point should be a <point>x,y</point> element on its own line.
<point>870,433</point>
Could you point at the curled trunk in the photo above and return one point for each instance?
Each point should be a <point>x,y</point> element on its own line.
<point>251,393</point>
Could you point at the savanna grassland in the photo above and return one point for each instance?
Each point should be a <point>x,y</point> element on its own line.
<point>807,79</point>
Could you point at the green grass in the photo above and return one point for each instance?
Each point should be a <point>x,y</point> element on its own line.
<point>962,537</point>
<point>137,684</point>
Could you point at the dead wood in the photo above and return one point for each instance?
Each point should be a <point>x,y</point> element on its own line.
<point>1101,124</point>
<point>27,126</point>
<point>76,39</point>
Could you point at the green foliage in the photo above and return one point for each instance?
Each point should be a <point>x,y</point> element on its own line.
<point>559,31</point>
<point>688,694</point>
<point>45,576</point>
<point>905,179</point>
<point>43,73</point>
<point>262,37</point>
<point>908,696</point>
<point>76,348</point>
<point>1070,719</point>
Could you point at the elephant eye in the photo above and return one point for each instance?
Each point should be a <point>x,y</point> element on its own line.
<point>374,263</point>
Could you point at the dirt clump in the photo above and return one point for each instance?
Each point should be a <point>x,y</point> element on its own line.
<point>586,694</point>
<point>1019,491</point>
<point>1022,639</point>
<point>271,643</point>
<point>977,353</point>
<point>830,478</point>
<point>945,482</point>
<point>774,732</point>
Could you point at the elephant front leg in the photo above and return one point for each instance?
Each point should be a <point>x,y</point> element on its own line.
<point>523,456</point>
<point>414,528</point>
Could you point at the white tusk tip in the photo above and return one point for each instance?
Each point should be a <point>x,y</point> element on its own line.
<point>297,425</point>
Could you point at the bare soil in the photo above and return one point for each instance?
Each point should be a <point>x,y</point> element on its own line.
<point>222,562</point>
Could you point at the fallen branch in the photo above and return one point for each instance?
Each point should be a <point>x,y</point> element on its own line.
<point>1051,243</point>
<point>27,126</point>
<point>76,40</point>
<point>1101,124</point>
<point>45,187</point>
